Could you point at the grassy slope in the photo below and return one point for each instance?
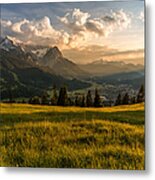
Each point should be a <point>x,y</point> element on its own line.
<point>45,136</point>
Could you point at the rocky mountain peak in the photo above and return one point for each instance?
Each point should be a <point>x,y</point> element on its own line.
<point>53,53</point>
<point>7,43</point>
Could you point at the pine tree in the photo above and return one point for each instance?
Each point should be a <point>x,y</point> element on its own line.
<point>141,94</point>
<point>44,98</point>
<point>118,100</point>
<point>83,101</point>
<point>89,102</point>
<point>23,101</point>
<point>70,102</point>
<point>125,99</point>
<point>34,100</point>
<point>133,100</point>
<point>97,101</point>
<point>62,99</point>
<point>76,101</point>
<point>54,98</point>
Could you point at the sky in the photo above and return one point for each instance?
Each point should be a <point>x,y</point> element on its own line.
<point>83,31</point>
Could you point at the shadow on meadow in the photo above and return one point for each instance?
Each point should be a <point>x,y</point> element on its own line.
<point>131,117</point>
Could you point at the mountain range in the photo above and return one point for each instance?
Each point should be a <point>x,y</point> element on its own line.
<point>29,70</point>
<point>105,68</point>
<point>23,76</point>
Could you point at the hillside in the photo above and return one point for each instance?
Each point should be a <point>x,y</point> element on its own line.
<point>133,79</point>
<point>70,137</point>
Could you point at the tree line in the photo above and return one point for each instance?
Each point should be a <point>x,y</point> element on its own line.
<point>61,98</point>
<point>126,99</point>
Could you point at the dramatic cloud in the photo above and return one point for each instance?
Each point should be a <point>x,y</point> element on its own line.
<point>80,28</point>
<point>83,27</point>
<point>132,55</point>
<point>34,32</point>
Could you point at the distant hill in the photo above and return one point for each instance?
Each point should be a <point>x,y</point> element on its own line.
<point>134,79</point>
<point>104,68</point>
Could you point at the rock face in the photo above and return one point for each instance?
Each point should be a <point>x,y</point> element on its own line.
<point>52,59</point>
<point>61,65</point>
<point>8,45</point>
<point>23,77</point>
<point>52,56</point>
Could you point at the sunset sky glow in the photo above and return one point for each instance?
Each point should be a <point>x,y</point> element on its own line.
<point>84,31</point>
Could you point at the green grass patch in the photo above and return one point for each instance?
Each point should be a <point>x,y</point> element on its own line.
<point>43,136</point>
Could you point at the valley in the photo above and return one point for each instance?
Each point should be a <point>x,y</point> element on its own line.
<point>72,85</point>
<point>29,71</point>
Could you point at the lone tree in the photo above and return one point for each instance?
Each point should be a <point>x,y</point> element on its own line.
<point>89,102</point>
<point>62,99</point>
<point>141,94</point>
<point>125,99</point>
<point>54,98</point>
<point>97,101</point>
<point>118,100</point>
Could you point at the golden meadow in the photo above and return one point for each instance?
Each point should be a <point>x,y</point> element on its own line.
<point>72,137</point>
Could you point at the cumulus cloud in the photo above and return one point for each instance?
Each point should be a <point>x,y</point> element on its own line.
<point>141,16</point>
<point>34,32</point>
<point>81,28</point>
<point>5,23</point>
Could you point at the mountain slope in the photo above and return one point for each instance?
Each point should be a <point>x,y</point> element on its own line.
<point>61,65</point>
<point>21,77</point>
<point>134,79</point>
